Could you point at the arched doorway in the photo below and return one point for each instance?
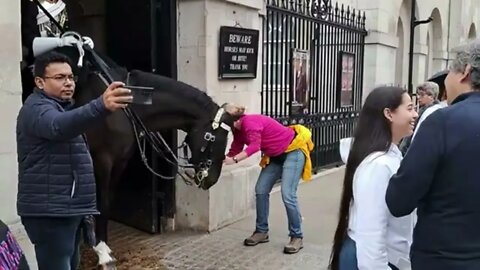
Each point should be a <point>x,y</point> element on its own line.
<point>429,56</point>
<point>405,16</point>
<point>434,61</point>
<point>472,32</point>
<point>400,55</point>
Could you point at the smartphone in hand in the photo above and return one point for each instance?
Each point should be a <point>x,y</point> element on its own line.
<point>141,95</point>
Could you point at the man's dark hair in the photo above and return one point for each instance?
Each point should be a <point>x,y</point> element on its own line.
<point>46,59</point>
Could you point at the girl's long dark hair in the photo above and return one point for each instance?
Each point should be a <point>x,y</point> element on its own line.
<point>372,134</point>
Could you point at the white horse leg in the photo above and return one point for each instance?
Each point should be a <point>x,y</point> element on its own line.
<point>105,260</point>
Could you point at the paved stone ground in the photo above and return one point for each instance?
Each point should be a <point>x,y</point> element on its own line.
<point>135,250</point>
<point>224,250</point>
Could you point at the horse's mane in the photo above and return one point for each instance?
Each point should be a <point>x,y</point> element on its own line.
<point>161,83</point>
<point>138,78</point>
<point>174,87</point>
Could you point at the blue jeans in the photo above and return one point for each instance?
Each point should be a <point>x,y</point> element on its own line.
<point>348,256</point>
<point>290,173</point>
<point>56,241</point>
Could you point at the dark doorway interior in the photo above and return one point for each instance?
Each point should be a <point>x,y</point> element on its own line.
<point>138,35</point>
<point>141,35</point>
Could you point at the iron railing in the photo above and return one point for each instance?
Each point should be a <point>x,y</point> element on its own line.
<point>326,34</point>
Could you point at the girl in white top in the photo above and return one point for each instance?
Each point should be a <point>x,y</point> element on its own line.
<point>368,237</point>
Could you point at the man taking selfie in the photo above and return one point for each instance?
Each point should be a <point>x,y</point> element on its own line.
<point>56,186</point>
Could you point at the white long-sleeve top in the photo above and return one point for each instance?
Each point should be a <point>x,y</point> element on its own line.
<point>427,113</point>
<point>380,237</point>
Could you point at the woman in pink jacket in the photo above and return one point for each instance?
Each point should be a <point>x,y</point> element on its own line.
<point>287,154</point>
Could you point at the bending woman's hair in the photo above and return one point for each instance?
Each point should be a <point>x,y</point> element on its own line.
<point>234,110</point>
<point>372,134</point>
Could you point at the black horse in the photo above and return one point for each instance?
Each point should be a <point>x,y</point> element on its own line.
<point>175,105</point>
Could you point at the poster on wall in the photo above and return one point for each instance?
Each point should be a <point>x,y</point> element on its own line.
<point>300,81</point>
<point>345,79</point>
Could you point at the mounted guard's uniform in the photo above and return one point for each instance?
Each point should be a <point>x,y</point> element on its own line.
<point>40,35</point>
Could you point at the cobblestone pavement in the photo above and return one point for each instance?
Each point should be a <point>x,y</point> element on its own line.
<point>224,250</point>
<point>219,250</point>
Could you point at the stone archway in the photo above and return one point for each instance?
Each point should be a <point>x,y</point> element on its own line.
<point>435,42</point>
<point>472,32</point>
<point>405,18</point>
<point>400,54</point>
<point>429,56</point>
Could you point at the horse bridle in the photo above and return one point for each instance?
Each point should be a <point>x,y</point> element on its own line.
<point>209,137</point>
<point>157,142</point>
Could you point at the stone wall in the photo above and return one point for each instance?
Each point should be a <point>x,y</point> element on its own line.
<point>387,44</point>
<point>10,102</point>
<point>199,23</point>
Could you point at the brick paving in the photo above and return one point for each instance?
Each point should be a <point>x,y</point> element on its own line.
<point>135,250</point>
<point>220,250</point>
<point>224,250</point>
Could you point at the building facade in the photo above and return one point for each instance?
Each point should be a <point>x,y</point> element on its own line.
<point>387,43</point>
<point>196,30</point>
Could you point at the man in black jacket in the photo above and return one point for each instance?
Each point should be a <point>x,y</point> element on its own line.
<point>56,187</point>
<point>440,175</point>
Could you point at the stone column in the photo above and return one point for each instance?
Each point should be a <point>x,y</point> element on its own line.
<point>419,62</point>
<point>199,23</point>
<point>380,50</point>
<point>379,66</point>
<point>10,102</point>
<point>439,62</point>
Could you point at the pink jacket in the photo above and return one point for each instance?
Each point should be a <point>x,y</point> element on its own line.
<point>263,133</point>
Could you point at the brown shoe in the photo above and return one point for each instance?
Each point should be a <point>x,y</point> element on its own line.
<point>294,246</point>
<point>256,239</point>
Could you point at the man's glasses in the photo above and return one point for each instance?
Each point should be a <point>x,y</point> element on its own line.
<point>63,78</point>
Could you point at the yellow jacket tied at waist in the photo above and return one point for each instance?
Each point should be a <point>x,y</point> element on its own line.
<point>302,142</point>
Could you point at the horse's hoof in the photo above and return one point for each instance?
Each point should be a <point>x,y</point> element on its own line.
<point>108,266</point>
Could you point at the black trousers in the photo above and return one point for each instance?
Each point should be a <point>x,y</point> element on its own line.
<point>56,241</point>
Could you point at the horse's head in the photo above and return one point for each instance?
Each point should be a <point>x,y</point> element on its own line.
<point>207,143</point>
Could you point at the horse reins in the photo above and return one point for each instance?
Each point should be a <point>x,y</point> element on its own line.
<point>140,131</point>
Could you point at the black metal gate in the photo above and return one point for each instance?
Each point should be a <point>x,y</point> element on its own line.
<point>313,54</point>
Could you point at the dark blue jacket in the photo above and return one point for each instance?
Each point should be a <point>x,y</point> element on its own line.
<point>440,175</point>
<point>55,170</point>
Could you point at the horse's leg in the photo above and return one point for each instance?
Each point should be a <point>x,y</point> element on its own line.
<point>103,167</point>
<point>117,172</point>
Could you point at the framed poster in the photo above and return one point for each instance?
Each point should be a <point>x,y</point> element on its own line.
<point>345,79</point>
<point>238,53</point>
<point>299,82</point>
